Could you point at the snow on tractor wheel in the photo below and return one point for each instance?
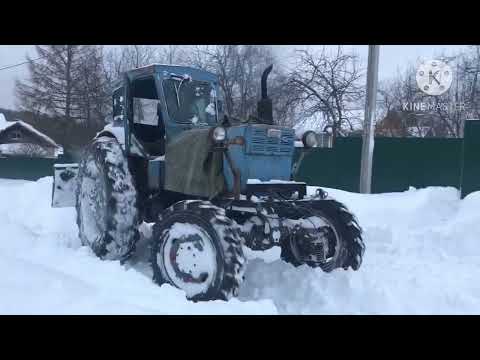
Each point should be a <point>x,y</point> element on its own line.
<point>107,215</point>
<point>339,226</point>
<point>196,248</point>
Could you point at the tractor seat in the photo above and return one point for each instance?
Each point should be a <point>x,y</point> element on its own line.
<point>156,148</point>
<point>148,133</point>
<point>151,137</point>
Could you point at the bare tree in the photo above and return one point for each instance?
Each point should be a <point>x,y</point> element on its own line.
<point>469,66</point>
<point>327,87</point>
<point>173,54</point>
<point>285,108</point>
<point>67,83</point>
<point>119,60</point>
<point>239,68</point>
<point>50,88</point>
<point>392,117</point>
<point>135,56</point>
<point>92,87</point>
<point>406,111</point>
<point>222,60</point>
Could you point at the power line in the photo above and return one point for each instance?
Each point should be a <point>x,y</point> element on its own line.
<point>22,63</point>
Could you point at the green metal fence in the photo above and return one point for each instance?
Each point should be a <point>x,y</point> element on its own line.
<point>399,163</point>
<point>470,174</point>
<point>29,168</point>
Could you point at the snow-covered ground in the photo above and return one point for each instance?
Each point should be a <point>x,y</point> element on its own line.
<point>422,257</point>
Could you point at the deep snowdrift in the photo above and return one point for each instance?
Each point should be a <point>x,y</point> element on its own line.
<point>422,257</point>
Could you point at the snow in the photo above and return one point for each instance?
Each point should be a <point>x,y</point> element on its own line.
<point>422,257</point>
<point>58,151</point>
<point>123,193</point>
<point>49,272</point>
<point>38,133</point>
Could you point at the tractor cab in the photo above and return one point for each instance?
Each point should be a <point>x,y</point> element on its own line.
<point>168,118</point>
<point>154,104</point>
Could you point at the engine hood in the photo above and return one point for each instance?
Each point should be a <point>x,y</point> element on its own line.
<point>266,155</point>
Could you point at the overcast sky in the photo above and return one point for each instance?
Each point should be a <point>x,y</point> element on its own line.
<point>392,58</point>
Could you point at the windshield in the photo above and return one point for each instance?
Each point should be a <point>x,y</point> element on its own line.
<point>190,101</point>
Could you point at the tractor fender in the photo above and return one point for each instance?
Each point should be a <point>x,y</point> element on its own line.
<point>64,179</point>
<point>116,132</point>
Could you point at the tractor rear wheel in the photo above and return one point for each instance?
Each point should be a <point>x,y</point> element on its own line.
<point>106,201</point>
<point>196,248</point>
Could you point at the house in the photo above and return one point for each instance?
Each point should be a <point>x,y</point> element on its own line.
<point>19,139</point>
<point>410,124</point>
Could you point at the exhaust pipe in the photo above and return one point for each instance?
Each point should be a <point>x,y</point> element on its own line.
<point>264,107</point>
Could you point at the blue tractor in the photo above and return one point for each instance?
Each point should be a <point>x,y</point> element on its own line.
<point>211,185</point>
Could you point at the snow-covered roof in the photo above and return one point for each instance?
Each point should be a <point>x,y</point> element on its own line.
<point>4,124</point>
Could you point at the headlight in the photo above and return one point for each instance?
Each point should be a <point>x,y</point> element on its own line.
<point>310,139</point>
<point>219,134</point>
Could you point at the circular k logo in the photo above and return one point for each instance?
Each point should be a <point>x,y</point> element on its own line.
<point>434,77</point>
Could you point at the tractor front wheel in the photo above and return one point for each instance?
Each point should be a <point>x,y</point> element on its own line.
<point>326,224</point>
<point>197,248</point>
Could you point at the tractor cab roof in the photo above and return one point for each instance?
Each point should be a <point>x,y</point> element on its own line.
<point>168,70</point>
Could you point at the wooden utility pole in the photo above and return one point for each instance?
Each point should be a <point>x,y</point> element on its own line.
<point>368,126</point>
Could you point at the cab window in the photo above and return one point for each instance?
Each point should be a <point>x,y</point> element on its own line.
<point>190,101</point>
